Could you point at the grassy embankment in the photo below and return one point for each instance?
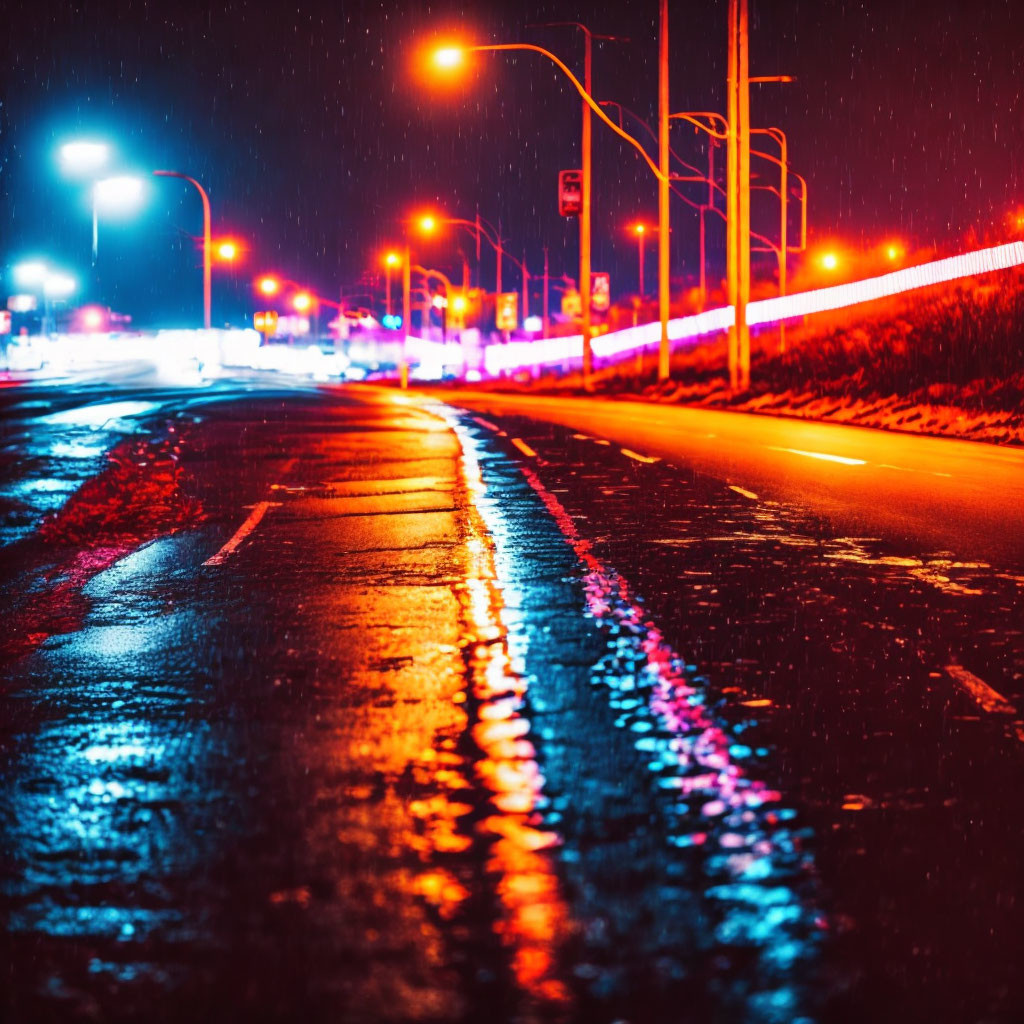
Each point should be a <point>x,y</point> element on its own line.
<point>946,360</point>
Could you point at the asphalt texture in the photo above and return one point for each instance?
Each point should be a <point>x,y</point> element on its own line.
<point>342,705</point>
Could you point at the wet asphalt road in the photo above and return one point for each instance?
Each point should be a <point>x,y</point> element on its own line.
<point>324,705</point>
<point>926,493</point>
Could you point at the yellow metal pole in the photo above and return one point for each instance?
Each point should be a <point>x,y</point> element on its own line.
<point>663,184</point>
<point>406,315</point>
<point>588,355</point>
<point>743,228</point>
<point>732,193</point>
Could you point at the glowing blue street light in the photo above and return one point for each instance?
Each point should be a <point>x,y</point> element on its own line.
<point>83,158</point>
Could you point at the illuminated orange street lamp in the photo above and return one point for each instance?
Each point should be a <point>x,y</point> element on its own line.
<point>830,261</point>
<point>450,57</point>
<point>227,250</point>
<point>893,252</point>
<point>303,302</point>
<point>268,285</point>
<point>392,259</point>
<point>640,230</point>
<point>426,224</point>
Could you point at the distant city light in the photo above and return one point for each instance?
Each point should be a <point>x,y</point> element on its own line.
<point>120,194</point>
<point>22,303</point>
<point>82,157</point>
<point>92,318</point>
<point>292,325</point>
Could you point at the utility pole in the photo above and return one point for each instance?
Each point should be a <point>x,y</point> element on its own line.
<point>588,355</point>
<point>663,193</point>
<point>738,195</point>
<point>547,319</point>
<point>526,289</point>
<point>406,315</point>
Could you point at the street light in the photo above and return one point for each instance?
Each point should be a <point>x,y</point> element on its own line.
<point>30,274</point>
<point>427,224</point>
<point>451,56</point>
<point>206,238</point>
<point>268,285</point>
<point>640,230</point>
<point>227,250</point>
<point>392,259</point>
<point>830,261</point>
<point>479,228</point>
<point>83,157</point>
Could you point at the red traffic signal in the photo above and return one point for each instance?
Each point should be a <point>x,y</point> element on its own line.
<point>570,193</point>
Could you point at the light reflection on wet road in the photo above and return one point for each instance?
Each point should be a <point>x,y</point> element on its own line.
<point>483,721</point>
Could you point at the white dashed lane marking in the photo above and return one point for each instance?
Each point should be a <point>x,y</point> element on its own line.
<point>630,454</point>
<point>524,448</point>
<point>258,512</point>
<point>742,490</point>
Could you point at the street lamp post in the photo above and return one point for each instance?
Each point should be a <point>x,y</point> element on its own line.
<point>449,57</point>
<point>663,184</point>
<point>403,366</point>
<point>389,261</point>
<point>206,238</point>
<point>640,230</point>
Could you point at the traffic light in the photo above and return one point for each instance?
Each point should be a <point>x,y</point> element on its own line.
<point>570,193</point>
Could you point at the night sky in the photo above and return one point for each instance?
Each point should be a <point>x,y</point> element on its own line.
<point>314,136</point>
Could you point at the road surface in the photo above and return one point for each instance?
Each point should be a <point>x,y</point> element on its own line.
<point>338,704</point>
<point>935,493</point>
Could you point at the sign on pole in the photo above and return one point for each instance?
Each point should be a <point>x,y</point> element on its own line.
<point>570,193</point>
<point>265,321</point>
<point>600,292</point>
<point>506,311</point>
<point>571,303</point>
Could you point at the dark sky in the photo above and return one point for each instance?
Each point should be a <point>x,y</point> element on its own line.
<point>314,137</point>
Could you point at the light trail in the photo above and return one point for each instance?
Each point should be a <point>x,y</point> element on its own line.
<point>518,355</point>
